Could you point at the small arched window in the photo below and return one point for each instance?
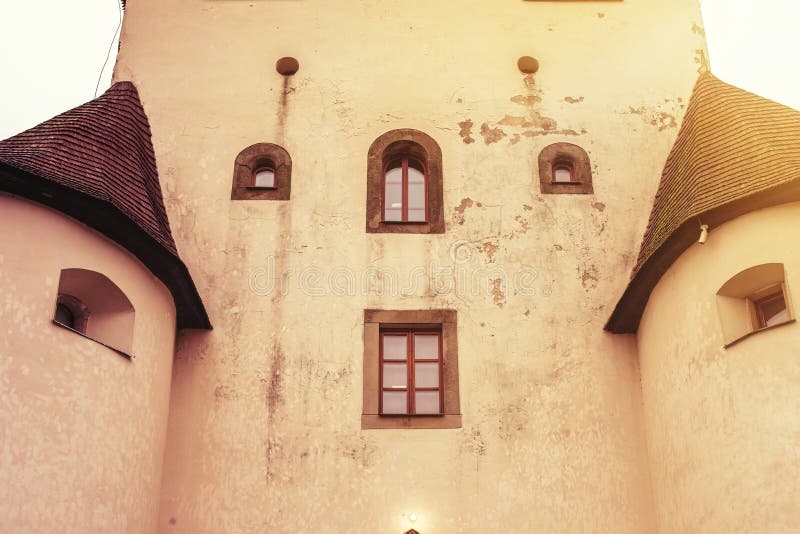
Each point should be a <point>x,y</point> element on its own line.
<point>264,175</point>
<point>404,192</point>
<point>565,168</point>
<point>262,171</point>
<point>90,304</point>
<point>755,299</point>
<point>404,184</point>
<point>563,172</point>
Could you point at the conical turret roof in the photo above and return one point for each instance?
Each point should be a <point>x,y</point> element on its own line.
<point>735,152</point>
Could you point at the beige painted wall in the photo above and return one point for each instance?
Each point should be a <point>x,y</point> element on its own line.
<point>722,424</point>
<point>265,418</point>
<point>82,428</point>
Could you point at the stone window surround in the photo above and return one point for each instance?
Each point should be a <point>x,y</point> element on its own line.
<point>399,143</point>
<point>565,154</point>
<point>255,157</point>
<point>374,320</point>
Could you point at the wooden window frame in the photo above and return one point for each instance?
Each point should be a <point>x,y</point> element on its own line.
<point>765,296</point>
<point>410,360</point>
<point>257,157</point>
<point>266,165</point>
<point>404,159</point>
<point>564,166</point>
<point>377,322</point>
<point>565,155</point>
<point>389,147</point>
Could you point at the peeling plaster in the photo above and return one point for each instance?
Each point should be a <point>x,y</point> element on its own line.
<point>498,296</point>
<point>702,61</point>
<point>490,249</point>
<point>458,212</point>
<point>491,135</point>
<point>466,131</point>
<point>663,116</point>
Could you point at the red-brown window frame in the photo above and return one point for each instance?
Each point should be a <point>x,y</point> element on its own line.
<point>560,155</point>
<point>254,158</point>
<point>392,146</point>
<point>565,166</point>
<point>411,362</point>
<point>404,159</point>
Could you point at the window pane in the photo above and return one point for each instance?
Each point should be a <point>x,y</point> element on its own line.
<point>774,311</point>
<point>265,178</point>
<point>395,402</point>
<point>415,176</point>
<point>394,347</point>
<point>394,198</point>
<point>394,175</point>
<point>416,202</point>
<point>64,316</point>
<point>426,375</point>
<point>426,346</point>
<point>427,402</point>
<point>394,375</point>
<point>563,175</point>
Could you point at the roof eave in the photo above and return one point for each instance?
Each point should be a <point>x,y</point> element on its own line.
<point>107,219</point>
<point>628,312</point>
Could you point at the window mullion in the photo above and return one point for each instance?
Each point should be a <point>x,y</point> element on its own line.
<point>405,189</point>
<point>441,374</point>
<point>411,385</point>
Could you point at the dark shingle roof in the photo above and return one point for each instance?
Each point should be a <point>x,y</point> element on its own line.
<point>96,163</point>
<point>735,152</point>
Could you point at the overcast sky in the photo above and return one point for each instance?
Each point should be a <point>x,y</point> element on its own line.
<point>52,52</point>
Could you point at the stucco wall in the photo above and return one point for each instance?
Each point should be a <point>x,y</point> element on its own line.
<point>82,428</point>
<point>722,424</point>
<point>265,420</point>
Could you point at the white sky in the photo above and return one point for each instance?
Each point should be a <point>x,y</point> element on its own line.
<point>52,52</point>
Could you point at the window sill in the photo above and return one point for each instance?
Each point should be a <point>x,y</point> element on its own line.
<point>375,421</point>
<point>260,188</point>
<point>737,340</point>
<point>404,222</point>
<point>566,183</point>
<point>121,353</point>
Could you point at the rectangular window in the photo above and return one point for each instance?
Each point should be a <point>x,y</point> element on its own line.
<point>410,369</point>
<point>411,372</point>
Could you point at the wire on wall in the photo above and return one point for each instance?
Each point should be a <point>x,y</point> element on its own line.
<point>120,7</point>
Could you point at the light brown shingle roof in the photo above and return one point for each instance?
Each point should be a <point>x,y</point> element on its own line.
<point>735,152</point>
<point>96,164</point>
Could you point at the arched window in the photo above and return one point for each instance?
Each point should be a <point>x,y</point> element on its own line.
<point>404,184</point>
<point>755,299</point>
<point>563,172</point>
<point>404,194</point>
<point>264,175</point>
<point>90,304</point>
<point>565,168</point>
<point>262,172</point>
